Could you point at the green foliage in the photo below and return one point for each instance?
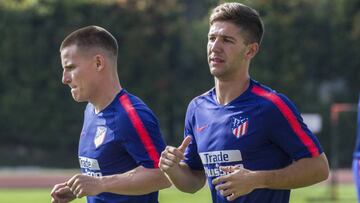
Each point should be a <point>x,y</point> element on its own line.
<point>310,50</point>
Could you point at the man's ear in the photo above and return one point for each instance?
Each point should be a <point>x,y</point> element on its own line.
<point>100,62</point>
<point>252,50</point>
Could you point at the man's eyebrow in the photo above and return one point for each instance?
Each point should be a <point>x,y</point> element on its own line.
<point>221,35</point>
<point>229,37</point>
<point>69,66</point>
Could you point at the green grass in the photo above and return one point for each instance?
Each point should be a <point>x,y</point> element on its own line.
<point>313,194</point>
<point>172,195</point>
<point>322,194</point>
<point>28,195</point>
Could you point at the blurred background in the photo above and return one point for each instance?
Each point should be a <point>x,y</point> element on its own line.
<point>310,52</point>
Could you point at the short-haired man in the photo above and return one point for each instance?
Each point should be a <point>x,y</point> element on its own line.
<point>120,142</point>
<point>248,140</point>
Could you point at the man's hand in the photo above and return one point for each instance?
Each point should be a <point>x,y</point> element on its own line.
<point>172,156</point>
<point>61,193</point>
<point>179,173</point>
<point>238,182</point>
<point>84,185</point>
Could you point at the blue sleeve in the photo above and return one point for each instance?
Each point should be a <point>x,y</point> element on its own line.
<point>142,138</point>
<point>357,145</point>
<point>288,131</point>
<point>192,158</point>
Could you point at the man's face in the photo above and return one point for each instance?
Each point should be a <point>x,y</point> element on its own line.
<point>225,49</point>
<point>79,71</point>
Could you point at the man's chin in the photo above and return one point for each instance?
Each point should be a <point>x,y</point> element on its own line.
<point>78,99</point>
<point>215,73</point>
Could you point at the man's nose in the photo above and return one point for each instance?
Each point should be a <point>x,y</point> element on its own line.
<point>215,46</point>
<point>66,78</point>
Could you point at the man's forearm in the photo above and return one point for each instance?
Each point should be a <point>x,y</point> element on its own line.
<point>305,172</point>
<point>185,179</point>
<point>135,182</point>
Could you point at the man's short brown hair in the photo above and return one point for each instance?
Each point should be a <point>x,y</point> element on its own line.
<point>92,37</point>
<point>246,18</point>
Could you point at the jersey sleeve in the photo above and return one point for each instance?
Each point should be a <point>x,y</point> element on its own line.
<point>192,158</point>
<point>357,143</point>
<point>140,135</point>
<point>288,130</point>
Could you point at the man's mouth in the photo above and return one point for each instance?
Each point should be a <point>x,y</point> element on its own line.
<point>216,60</point>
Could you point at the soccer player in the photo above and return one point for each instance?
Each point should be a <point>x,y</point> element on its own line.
<point>248,140</point>
<point>356,159</point>
<point>120,142</point>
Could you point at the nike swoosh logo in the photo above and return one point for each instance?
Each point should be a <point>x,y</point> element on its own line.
<point>200,129</point>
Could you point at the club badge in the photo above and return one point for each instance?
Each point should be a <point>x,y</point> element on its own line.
<point>239,126</point>
<point>100,136</point>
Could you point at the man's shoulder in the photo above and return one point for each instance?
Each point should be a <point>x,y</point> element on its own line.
<point>271,99</point>
<point>266,93</point>
<point>129,101</point>
<point>206,96</point>
<point>131,106</point>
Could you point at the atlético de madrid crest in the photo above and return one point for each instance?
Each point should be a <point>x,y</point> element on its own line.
<point>100,136</point>
<point>239,126</point>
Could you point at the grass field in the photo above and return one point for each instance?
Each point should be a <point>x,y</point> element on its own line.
<point>313,194</point>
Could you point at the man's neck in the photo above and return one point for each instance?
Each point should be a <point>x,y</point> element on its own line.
<point>228,90</point>
<point>105,98</point>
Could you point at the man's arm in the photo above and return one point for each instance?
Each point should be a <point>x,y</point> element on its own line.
<point>304,172</point>
<point>138,181</point>
<point>180,174</point>
<point>61,193</point>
